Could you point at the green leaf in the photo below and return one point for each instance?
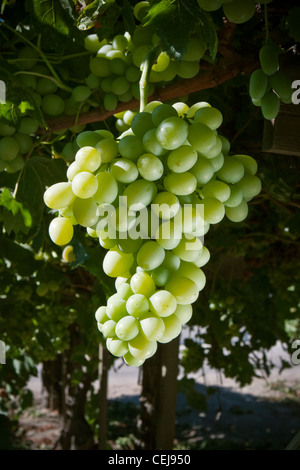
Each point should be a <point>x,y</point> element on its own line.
<point>19,255</point>
<point>37,174</point>
<point>54,20</point>
<point>173,24</point>
<point>15,217</point>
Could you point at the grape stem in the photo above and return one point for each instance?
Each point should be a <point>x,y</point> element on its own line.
<point>146,70</point>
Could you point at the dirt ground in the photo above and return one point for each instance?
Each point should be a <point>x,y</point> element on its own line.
<point>262,416</point>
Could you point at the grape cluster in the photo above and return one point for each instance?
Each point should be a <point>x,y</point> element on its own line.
<point>149,197</point>
<point>269,85</point>
<point>115,67</point>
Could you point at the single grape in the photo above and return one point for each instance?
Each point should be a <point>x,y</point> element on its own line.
<point>116,263</point>
<point>9,148</point>
<point>201,137</point>
<point>237,213</point>
<point>152,326</point>
<point>232,170</point>
<point>217,189</point>
<point>137,305</point>
<point>116,346</point>
<point>270,104</point>
<point>214,210</point>
<point>142,283</point>
<point>172,329</point>
<point>53,105</point>
<point>150,167</point>
<point>239,11</point>
<point>130,147</point>
<point>116,308</point>
<point>258,84</point>
<point>88,158</point>
<point>85,212</point>
<point>180,184</point>
<point>108,149</point>
<point>162,303</point>
<point>150,255</point>
<point>61,230</point>
<point>84,184</point>
<point>209,116</point>
<point>127,328</point>
<point>182,159</point>
<point>59,195</point>
<point>141,348</point>
<point>165,205</point>
<point>202,170</point>
<point>140,194</point>
<point>184,313</point>
<point>172,132</point>
<point>183,289</point>
<point>124,170</point>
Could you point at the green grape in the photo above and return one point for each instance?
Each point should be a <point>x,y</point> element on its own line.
<point>152,326</point>
<point>250,186</point>
<point>171,261</point>
<point>108,329</point>
<point>217,162</point>
<point>237,213</point>
<point>188,68</point>
<point>28,125</point>
<point>85,212</point>
<point>150,255</point>
<point>110,101</point>
<point>239,11</point>
<point>128,116</point>
<point>191,219</point>
<point>209,116</point>
<point>27,58</point>
<point>141,348</point>
<point>236,196</point>
<point>269,58</point>
<point>73,169</point>
<point>88,158</point>
<point>161,62</point>
<point>162,303</point>
<point>150,167</point>
<point>168,235</point>
<point>215,150</point>
<point>225,145</point>
<point>92,43</point>
<point>203,258</point>
<point>258,84</point>
<point>162,112</point>
<point>68,254</point>
<point>141,123</point>
<point>6,130</point>
<point>130,360</point>
<point>202,170</point>
<point>195,50</point>
<point>142,283</point>
<point>165,205</point>
<point>181,108</point>
<point>133,74</point>
<point>84,184</point>
<point>270,105</point>
<point>184,313</point>
<point>108,149</point>
<point>172,329</point>
<point>214,210</point>
<point>193,272</point>
<point>170,72</point>
<point>160,276</point>
<point>53,105</point>
<point>249,163</point>
<point>9,148</point>
<point>139,54</point>
<point>130,147</point>
<point>140,10</point>
<point>118,65</point>
<point>92,81</point>
<point>129,245</point>
<point>61,230</point>
<point>15,165</point>
<point>117,347</point>
<point>59,195</point>
<point>120,42</point>
<point>106,85</point>
<point>140,194</point>
<point>201,137</point>
<point>87,139</point>
<point>120,85</point>
<point>151,143</point>
<point>100,66</point>
<point>127,328</point>
<point>210,5</point>
<point>81,93</point>
<point>188,248</point>
<point>45,86</point>
<point>182,159</point>
<point>282,85</point>
<point>124,290</point>
<point>124,170</point>
<point>172,132</point>
<point>116,308</point>
<point>25,142</point>
<point>183,289</point>
<point>180,184</point>
<point>232,170</point>
<point>116,263</point>
<point>137,305</point>
<point>217,189</point>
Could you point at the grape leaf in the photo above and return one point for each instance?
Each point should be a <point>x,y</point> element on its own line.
<point>89,16</point>
<point>173,24</point>
<point>15,216</point>
<point>55,22</point>
<point>37,174</point>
